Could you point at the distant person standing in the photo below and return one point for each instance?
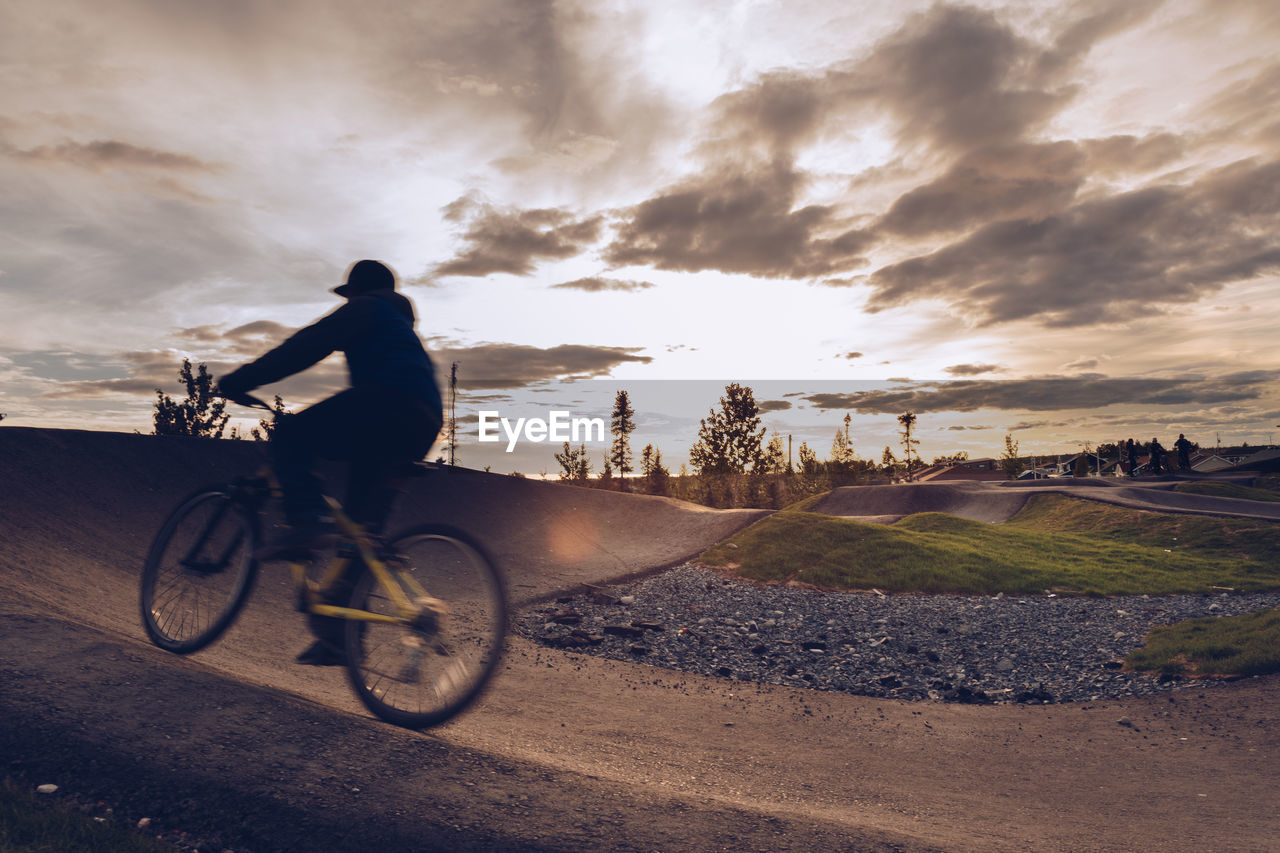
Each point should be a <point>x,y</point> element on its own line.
<point>1184,452</point>
<point>1131,450</point>
<point>1157,457</point>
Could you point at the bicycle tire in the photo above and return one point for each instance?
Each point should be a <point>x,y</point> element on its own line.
<point>199,570</point>
<point>421,676</point>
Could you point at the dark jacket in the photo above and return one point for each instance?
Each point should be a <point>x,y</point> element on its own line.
<point>375,330</point>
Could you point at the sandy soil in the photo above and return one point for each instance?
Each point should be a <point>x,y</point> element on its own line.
<point>242,748</point>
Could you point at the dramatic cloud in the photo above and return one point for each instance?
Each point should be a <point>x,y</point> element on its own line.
<point>1054,393</point>
<point>766,406</point>
<point>1104,259</point>
<point>997,182</point>
<point>481,367</point>
<point>101,154</point>
<point>512,366</point>
<point>248,339</point>
<point>959,79</point>
<point>598,284</point>
<point>1099,177</point>
<point>1248,107</point>
<point>147,371</point>
<point>972,369</point>
<point>745,222</point>
<point>513,241</point>
<point>956,80</point>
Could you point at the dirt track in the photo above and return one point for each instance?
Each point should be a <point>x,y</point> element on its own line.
<point>565,753</point>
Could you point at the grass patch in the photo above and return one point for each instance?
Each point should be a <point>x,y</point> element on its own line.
<point>1248,644</point>
<point>32,823</point>
<point>806,504</point>
<point>1055,543</point>
<point>1251,541</point>
<point>1229,490</point>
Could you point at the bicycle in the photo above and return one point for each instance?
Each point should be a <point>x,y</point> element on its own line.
<point>425,624</point>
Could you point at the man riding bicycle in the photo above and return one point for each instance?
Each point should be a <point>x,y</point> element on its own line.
<point>388,418</point>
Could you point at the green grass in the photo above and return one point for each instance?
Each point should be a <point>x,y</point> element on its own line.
<point>1248,644</point>
<point>806,504</point>
<point>1229,490</point>
<point>1055,543</point>
<point>1250,541</point>
<point>34,823</point>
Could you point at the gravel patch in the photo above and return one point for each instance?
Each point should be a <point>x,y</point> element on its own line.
<point>956,648</point>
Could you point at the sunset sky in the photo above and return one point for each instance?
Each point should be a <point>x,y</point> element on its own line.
<point>1056,220</point>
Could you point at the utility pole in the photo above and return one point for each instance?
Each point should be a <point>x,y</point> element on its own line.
<point>453,413</point>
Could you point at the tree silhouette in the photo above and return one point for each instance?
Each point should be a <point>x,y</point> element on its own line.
<point>729,441</point>
<point>200,414</point>
<point>1009,461</point>
<point>842,455</point>
<point>574,463</point>
<point>267,425</point>
<point>655,475</point>
<point>772,460</point>
<point>808,460</point>
<point>621,428</point>
<point>889,462</point>
<point>909,455</point>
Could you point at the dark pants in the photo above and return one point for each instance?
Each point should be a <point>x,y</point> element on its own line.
<point>379,431</point>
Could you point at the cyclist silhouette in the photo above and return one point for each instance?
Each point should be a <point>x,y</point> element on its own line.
<point>389,417</point>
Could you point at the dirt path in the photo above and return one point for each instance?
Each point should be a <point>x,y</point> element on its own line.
<point>571,753</point>
<point>239,745</point>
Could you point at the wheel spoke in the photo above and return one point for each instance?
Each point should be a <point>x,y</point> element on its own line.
<point>198,572</point>
<point>424,671</point>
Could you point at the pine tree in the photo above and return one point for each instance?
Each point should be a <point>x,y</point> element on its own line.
<point>909,455</point>
<point>842,455</point>
<point>659,476</point>
<point>889,462</point>
<point>808,460</point>
<point>729,441</point>
<point>621,428</point>
<point>200,414</point>
<point>653,474</point>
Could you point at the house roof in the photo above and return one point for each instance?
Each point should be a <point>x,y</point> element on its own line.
<point>942,473</point>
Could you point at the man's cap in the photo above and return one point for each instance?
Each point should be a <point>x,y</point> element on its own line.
<point>365,276</point>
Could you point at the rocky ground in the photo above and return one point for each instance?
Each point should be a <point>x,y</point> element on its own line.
<point>956,648</point>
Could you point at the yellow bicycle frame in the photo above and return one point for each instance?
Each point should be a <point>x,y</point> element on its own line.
<point>407,609</point>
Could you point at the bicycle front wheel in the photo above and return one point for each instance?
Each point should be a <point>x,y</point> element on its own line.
<point>421,674</point>
<point>199,571</point>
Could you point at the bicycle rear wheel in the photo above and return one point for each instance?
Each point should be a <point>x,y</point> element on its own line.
<point>199,571</point>
<point>423,674</point>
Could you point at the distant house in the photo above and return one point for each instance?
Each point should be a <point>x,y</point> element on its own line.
<point>970,470</point>
<point>1267,461</point>
<point>1206,462</point>
<point>1095,466</point>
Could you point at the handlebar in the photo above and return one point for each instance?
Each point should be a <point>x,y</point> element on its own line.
<point>248,401</point>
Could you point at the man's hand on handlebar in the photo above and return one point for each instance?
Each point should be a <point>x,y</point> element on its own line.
<point>242,398</point>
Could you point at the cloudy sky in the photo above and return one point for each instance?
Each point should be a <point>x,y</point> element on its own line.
<point>1059,220</point>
